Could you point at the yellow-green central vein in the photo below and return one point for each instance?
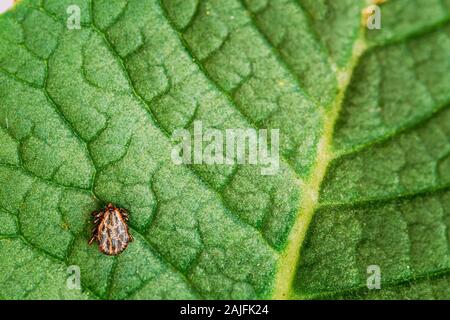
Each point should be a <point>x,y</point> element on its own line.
<point>290,257</point>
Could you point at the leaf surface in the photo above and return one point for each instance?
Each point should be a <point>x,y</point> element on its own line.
<point>86,118</point>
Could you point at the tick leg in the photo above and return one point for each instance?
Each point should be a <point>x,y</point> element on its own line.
<point>94,235</point>
<point>131,238</point>
<point>98,214</point>
<point>92,239</point>
<point>97,217</point>
<point>124,214</point>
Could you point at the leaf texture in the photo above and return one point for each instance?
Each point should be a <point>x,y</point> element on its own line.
<point>86,118</point>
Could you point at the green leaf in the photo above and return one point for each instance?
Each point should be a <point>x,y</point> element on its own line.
<point>86,118</point>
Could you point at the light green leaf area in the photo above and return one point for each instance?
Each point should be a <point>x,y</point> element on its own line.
<point>87,115</point>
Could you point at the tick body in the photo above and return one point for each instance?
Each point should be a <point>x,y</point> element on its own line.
<point>111,230</point>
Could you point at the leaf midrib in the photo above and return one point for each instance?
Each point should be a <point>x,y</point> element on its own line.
<point>291,255</point>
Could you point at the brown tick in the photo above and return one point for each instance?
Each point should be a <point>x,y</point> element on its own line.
<point>111,230</point>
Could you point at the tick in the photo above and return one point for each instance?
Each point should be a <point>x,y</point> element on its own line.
<point>111,230</point>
